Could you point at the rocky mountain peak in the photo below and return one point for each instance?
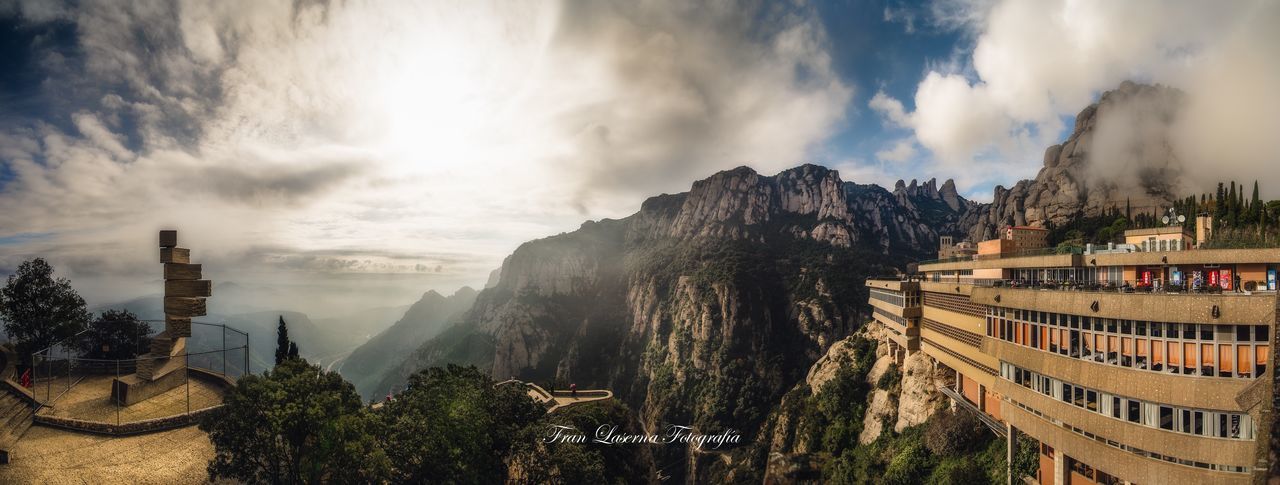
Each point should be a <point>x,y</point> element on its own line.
<point>1118,151</point>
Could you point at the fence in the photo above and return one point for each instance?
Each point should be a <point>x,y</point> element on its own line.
<point>74,390</point>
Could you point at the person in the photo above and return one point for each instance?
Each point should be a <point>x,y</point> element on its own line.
<point>1236,281</point>
<point>573,390</point>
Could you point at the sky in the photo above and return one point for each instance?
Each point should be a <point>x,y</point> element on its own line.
<point>413,145</point>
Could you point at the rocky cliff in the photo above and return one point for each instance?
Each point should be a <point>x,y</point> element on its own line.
<point>1118,153</point>
<point>704,307</point>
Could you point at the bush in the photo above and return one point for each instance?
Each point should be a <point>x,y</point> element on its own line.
<point>951,434</point>
<point>909,467</point>
<point>958,471</point>
<point>890,379</point>
<point>116,334</point>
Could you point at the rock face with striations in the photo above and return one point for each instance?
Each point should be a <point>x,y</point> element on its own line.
<point>1118,153</point>
<point>704,307</point>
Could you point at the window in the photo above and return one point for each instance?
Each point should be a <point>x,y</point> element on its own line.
<point>1261,351</point>
<point>1166,418</point>
<point>1078,397</point>
<point>1243,333</point>
<point>1188,330</point>
<point>1260,333</point>
<point>1115,407</point>
<point>1198,426</point>
<point>1135,411</point>
<point>1186,421</point>
<point>1157,329</point>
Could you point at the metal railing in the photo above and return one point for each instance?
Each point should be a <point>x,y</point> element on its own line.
<point>67,386</point>
<point>1124,286</point>
<point>1017,254</point>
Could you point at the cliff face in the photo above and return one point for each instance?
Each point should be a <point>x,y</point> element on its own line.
<point>705,307</point>
<point>1117,154</point>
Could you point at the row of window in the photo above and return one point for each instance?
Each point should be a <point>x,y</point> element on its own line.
<point>1133,449</point>
<point>1197,422</point>
<point>1139,328</point>
<point>892,297</point>
<point>890,316</point>
<point>1172,355</point>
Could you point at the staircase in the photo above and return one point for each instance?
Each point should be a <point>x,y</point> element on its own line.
<point>16,406</point>
<point>15,417</point>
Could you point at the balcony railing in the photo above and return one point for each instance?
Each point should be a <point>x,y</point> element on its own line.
<point>1246,287</point>
<point>1018,254</point>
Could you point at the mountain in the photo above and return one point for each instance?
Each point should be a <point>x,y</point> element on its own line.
<point>1118,154</point>
<point>367,364</point>
<point>703,307</point>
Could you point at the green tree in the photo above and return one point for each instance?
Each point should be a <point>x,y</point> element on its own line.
<point>116,334</point>
<point>294,424</point>
<point>39,310</point>
<point>952,434</point>
<point>284,347</point>
<point>451,425</point>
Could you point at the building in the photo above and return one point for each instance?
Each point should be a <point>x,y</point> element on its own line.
<point>1026,238</point>
<point>1204,228</point>
<point>947,249</point>
<point>1168,238</point>
<point>1117,378</point>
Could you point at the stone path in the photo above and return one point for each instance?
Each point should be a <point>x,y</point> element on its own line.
<point>51,455</point>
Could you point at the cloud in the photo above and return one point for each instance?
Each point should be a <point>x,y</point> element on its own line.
<point>891,109</point>
<point>901,151</point>
<point>423,128</point>
<point>1032,64</point>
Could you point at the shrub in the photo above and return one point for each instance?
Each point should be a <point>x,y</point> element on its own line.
<point>952,434</point>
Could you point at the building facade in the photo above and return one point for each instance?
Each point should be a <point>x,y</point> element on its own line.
<point>1139,366</point>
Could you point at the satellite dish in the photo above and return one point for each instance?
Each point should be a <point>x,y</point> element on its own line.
<point>1182,218</point>
<point>1165,219</point>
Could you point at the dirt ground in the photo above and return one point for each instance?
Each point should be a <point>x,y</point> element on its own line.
<point>51,455</point>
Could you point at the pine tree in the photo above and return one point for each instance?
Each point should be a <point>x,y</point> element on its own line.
<point>282,342</point>
<point>1128,209</point>
<point>1255,205</point>
<point>1219,207</point>
<point>1233,212</point>
<point>293,350</point>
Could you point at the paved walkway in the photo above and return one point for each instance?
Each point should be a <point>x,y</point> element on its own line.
<point>90,400</point>
<point>561,398</point>
<point>50,455</point>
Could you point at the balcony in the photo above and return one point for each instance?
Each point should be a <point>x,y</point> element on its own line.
<point>1164,306</point>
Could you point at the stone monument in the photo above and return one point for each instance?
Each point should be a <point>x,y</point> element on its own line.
<point>164,367</point>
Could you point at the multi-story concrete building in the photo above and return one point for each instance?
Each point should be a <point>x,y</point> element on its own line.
<point>1125,366</point>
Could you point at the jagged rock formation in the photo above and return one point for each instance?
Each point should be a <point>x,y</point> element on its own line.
<point>1118,153</point>
<point>425,319</point>
<point>704,307</point>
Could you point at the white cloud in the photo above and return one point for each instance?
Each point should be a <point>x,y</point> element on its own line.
<point>901,151</point>
<point>1034,63</point>
<point>891,109</point>
<point>452,131</point>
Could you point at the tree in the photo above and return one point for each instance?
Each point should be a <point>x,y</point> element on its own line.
<point>116,334</point>
<point>282,342</point>
<point>293,350</point>
<point>952,433</point>
<point>481,422</point>
<point>38,310</point>
<point>295,424</point>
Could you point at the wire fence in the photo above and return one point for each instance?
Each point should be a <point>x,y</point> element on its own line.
<point>67,385</point>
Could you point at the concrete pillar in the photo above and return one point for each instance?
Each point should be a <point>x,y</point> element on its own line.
<point>1059,468</point>
<point>1011,449</point>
